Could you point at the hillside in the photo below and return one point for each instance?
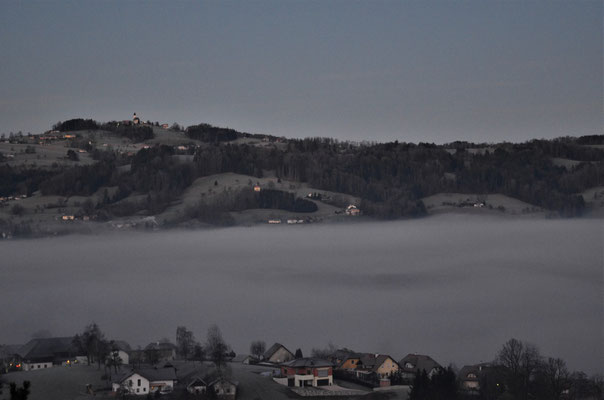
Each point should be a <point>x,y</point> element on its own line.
<point>84,176</point>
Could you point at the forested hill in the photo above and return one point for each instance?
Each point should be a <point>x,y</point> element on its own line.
<point>389,178</point>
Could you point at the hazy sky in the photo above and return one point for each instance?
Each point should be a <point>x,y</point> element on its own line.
<point>377,70</point>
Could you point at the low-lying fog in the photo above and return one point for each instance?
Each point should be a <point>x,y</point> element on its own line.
<point>454,287</point>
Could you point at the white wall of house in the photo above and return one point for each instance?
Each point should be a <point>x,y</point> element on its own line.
<point>311,379</point>
<point>280,356</point>
<point>225,388</point>
<point>124,356</point>
<point>136,384</point>
<point>196,389</point>
<point>33,366</point>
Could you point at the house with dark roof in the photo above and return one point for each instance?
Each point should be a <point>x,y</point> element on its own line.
<point>411,364</point>
<point>121,349</point>
<point>308,372</point>
<point>46,352</point>
<point>166,351</point>
<point>9,357</point>
<point>144,381</point>
<point>224,388</point>
<point>471,375</point>
<point>340,355</point>
<point>277,354</point>
<point>346,360</point>
<point>197,386</point>
<point>382,365</point>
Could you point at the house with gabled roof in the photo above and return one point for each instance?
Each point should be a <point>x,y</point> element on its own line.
<point>340,355</point>
<point>45,352</point>
<point>197,386</point>
<point>277,354</point>
<point>121,349</point>
<point>166,351</point>
<point>470,376</point>
<point>412,364</point>
<point>382,365</point>
<point>145,380</point>
<point>224,388</point>
<point>308,372</point>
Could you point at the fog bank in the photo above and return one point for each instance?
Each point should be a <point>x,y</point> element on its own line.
<point>454,287</point>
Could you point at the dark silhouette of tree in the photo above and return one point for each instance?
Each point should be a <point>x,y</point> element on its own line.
<point>72,155</point>
<point>92,343</point>
<point>298,354</point>
<point>19,393</point>
<point>152,355</point>
<point>257,348</point>
<point>185,341</point>
<point>553,378</point>
<point>420,388</point>
<point>114,360</point>
<point>216,347</point>
<point>519,363</point>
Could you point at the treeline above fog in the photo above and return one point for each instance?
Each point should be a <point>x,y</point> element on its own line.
<point>390,178</point>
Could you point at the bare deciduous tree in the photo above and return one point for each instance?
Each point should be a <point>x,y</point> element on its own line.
<point>257,348</point>
<point>185,341</point>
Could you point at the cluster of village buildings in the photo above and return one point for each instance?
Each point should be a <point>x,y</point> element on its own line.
<point>139,377</point>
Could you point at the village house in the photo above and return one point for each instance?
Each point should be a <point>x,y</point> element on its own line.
<point>470,376</point>
<point>144,381</point>
<point>277,354</point>
<point>46,352</point>
<point>382,365</point>
<point>350,362</point>
<point>166,351</point>
<point>121,349</point>
<point>197,386</point>
<point>308,372</point>
<point>224,388</point>
<point>352,210</point>
<point>411,364</point>
<point>245,359</point>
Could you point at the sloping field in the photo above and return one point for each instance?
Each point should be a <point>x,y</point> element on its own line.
<point>210,188</point>
<point>492,203</point>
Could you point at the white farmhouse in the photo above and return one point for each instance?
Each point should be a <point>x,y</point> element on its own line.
<point>144,381</point>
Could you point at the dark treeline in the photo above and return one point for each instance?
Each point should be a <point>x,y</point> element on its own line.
<point>391,178</point>
<point>136,133</point>
<point>209,133</point>
<point>76,124</point>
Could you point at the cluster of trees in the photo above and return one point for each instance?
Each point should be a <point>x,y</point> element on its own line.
<point>136,133</point>
<point>519,372</point>
<point>209,133</point>
<point>76,124</point>
<point>440,386</point>
<point>215,348</point>
<point>93,344</point>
